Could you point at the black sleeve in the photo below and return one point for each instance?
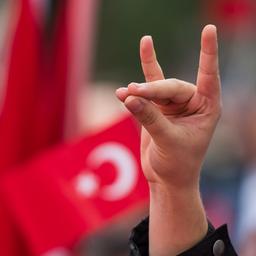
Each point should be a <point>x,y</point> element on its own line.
<point>215,243</point>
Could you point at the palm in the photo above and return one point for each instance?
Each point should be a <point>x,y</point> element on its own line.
<point>191,123</point>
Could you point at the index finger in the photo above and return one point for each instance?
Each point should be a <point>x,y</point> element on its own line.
<point>150,66</point>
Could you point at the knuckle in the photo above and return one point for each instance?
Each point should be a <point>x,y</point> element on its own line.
<point>150,76</point>
<point>208,72</point>
<point>149,118</point>
<point>212,53</point>
<point>173,81</point>
<point>147,61</point>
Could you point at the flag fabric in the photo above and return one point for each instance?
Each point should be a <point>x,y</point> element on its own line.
<point>81,27</point>
<point>33,108</point>
<point>51,197</point>
<point>49,60</point>
<point>76,189</point>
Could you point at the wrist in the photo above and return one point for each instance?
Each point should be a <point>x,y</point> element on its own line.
<point>175,188</point>
<point>177,219</point>
<point>174,178</point>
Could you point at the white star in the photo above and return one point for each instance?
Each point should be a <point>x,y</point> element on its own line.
<point>87,184</point>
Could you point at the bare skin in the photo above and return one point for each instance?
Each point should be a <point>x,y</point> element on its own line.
<point>178,120</point>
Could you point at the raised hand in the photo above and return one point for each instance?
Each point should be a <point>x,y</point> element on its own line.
<point>178,120</point>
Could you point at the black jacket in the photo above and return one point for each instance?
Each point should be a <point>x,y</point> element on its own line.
<point>215,243</point>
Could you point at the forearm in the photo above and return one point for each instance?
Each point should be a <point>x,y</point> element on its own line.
<point>177,220</point>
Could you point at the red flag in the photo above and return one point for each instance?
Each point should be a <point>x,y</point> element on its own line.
<point>81,27</point>
<point>77,188</point>
<point>45,68</point>
<point>33,108</point>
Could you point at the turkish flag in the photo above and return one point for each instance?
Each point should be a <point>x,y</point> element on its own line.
<point>34,102</point>
<point>68,193</point>
<point>49,60</point>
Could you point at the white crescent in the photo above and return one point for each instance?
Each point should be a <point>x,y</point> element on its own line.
<point>126,166</point>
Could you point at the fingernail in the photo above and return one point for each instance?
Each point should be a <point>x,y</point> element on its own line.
<point>142,85</point>
<point>135,106</point>
<point>121,89</point>
<point>148,36</point>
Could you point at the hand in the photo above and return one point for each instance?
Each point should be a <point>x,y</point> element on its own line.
<point>178,118</point>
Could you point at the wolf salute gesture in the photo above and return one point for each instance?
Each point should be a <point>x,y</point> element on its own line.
<point>178,120</point>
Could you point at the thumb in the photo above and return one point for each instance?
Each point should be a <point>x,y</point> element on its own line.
<point>149,116</point>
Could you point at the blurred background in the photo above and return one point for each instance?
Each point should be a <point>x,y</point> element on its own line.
<point>77,53</point>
